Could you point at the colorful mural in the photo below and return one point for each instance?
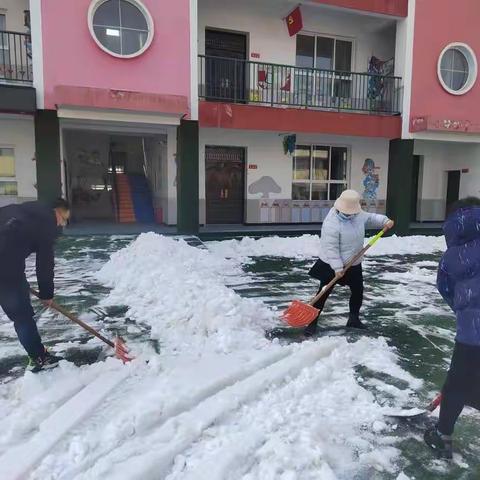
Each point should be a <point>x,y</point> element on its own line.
<point>371,181</point>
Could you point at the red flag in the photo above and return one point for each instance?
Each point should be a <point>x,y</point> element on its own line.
<point>294,21</point>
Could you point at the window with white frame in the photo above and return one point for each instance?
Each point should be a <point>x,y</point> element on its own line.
<point>3,28</point>
<point>457,68</point>
<point>7,162</point>
<point>8,185</point>
<point>319,172</point>
<point>123,28</point>
<point>8,188</point>
<point>332,60</point>
<point>325,53</point>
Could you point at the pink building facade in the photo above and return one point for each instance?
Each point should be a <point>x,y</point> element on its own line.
<point>114,78</point>
<point>196,112</point>
<point>441,119</point>
<point>72,60</point>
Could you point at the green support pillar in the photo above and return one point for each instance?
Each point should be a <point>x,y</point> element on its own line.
<point>400,184</point>
<point>187,178</point>
<point>47,146</point>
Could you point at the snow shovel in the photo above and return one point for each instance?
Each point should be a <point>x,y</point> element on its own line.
<point>416,412</point>
<point>300,314</point>
<point>121,350</point>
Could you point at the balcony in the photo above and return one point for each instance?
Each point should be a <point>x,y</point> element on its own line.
<point>268,84</point>
<point>15,58</point>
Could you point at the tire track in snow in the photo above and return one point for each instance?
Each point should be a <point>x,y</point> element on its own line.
<point>294,430</point>
<point>237,456</point>
<point>179,432</point>
<point>56,426</point>
<point>126,423</point>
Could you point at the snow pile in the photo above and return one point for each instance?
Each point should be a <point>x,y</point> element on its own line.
<point>308,246</point>
<point>297,412</point>
<point>412,245</point>
<point>305,246</point>
<point>180,292</point>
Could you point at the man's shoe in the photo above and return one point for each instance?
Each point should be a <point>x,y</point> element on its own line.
<point>441,444</point>
<point>354,322</point>
<point>45,362</point>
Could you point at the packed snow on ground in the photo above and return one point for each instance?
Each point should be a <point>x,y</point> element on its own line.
<point>220,401</point>
<point>308,246</point>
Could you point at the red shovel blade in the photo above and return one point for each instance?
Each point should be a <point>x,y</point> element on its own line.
<point>300,314</point>
<point>121,350</point>
<point>435,403</point>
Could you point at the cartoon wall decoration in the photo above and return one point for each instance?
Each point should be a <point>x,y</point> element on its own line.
<point>371,181</point>
<point>264,185</point>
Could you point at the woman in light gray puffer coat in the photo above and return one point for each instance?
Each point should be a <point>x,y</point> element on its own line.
<point>343,235</point>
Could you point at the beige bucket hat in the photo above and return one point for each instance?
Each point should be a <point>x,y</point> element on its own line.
<point>348,202</point>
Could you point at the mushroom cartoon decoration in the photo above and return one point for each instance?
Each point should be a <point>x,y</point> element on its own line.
<point>265,186</point>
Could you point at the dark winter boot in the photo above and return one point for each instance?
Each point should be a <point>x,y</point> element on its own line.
<point>441,444</point>
<point>45,362</point>
<point>311,329</point>
<point>354,322</point>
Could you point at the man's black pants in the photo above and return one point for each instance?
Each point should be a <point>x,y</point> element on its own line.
<point>15,302</point>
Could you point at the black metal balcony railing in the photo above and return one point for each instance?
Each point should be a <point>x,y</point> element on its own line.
<point>243,81</point>
<point>15,57</point>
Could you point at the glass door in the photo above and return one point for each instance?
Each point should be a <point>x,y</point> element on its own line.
<point>323,74</point>
<point>305,62</point>
<point>342,85</point>
<point>4,47</point>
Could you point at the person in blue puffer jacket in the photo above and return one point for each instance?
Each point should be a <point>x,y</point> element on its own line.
<point>458,282</point>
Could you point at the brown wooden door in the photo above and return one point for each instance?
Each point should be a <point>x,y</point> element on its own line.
<point>225,67</point>
<point>225,184</point>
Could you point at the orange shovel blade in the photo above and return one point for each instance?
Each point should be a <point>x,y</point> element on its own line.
<point>300,314</point>
<point>121,350</point>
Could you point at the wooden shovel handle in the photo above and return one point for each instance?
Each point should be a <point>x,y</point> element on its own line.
<point>354,259</point>
<point>75,319</point>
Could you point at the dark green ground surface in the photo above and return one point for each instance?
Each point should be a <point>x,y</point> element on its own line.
<point>401,304</point>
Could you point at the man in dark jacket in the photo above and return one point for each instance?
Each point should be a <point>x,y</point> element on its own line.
<point>459,284</point>
<point>28,228</point>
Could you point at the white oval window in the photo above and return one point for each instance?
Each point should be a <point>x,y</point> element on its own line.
<point>123,28</point>
<point>457,68</point>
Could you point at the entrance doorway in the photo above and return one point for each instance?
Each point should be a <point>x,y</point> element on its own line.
<point>225,65</point>
<point>225,184</point>
<point>108,176</point>
<point>453,187</point>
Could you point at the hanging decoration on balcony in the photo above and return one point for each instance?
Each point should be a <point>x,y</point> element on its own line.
<point>378,69</point>
<point>289,142</point>
<point>375,82</point>
<point>294,21</point>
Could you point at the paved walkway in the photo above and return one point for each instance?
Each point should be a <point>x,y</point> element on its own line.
<point>209,231</point>
<point>213,232</point>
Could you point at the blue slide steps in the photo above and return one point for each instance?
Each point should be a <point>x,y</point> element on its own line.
<point>141,199</point>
